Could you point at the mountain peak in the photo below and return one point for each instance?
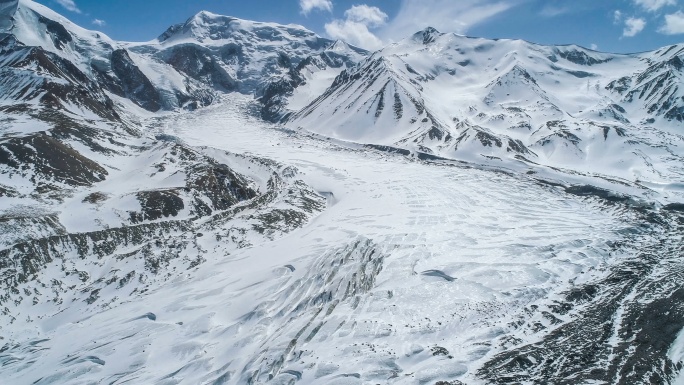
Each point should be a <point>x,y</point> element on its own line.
<point>339,45</point>
<point>427,36</point>
<point>206,14</point>
<point>203,18</point>
<point>202,26</point>
<point>206,26</point>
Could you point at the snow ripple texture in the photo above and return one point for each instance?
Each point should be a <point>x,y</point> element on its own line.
<point>392,283</point>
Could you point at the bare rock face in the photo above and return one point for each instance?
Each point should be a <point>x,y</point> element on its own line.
<point>7,10</point>
<point>45,157</point>
<point>135,84</point>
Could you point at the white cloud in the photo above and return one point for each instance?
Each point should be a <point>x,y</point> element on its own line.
<point>364,28</point>
<point>553,11</point>
<point>69,5</point>
<point>354,33</point>
<point>99,22</point>
<point>370,16</point>
<point>445,15</point>
<point>617,17</point>
<point>594,47</point>
<point>357,25</point>
<point>654,5</point>
<point>309,5</point>
<point>674,24</point>
<point>633,26</point>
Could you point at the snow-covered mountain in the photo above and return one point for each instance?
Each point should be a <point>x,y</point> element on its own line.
<point>468,98</point>
<point>239,202</point>
<point>184,68</point>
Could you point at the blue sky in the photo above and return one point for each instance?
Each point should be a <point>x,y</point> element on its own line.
<point>607,25</point>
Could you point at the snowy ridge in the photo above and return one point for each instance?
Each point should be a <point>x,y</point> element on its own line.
<point>658,87</point>
<point>477,99</point>
<point>232,55</point>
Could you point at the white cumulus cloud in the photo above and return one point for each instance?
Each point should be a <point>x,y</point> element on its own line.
<point>654,5</point>
<point>633,26</point>
<point>674,24</point>
<point>356,27</point>
<point>370,16</point>
<point>99,22</point>
<point>310,5</point>
<point>69,5</point>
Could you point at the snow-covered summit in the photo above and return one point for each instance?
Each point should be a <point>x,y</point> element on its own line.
<point>426,36</point>
<point>257,58</point>
<point>206,27</point>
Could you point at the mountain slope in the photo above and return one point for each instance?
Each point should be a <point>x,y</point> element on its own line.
<point>477,99</point>
<point>82,183</point>
<point>234,55</point>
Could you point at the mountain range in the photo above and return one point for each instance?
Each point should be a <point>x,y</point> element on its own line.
<point>240,202</point>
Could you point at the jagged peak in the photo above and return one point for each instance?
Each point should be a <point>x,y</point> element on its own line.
<point>427,36</point>
<point>342,47</point>
<point>430,30</point>
<point>518,72</point>
<point>339,46</point>
<point>582,56</point>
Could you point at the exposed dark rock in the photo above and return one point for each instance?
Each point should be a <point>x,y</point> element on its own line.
<point>136,86</point>
<point>95,198</point>
<point>201,64</point>
<point>157,205</point>
<point>24,260</point>
<point>588,190</point>
<point>675,207</point>
<point>439,351</point>
<point>621,85</point>
<point>273,95</point>
<point>427,36</point>
<point>389,149</point>
<point>579,57</point>
<point>221,185</point>
<point>50,159</point>
<point>58,83</point>
<point>622,326</point>
<point>59,35</point>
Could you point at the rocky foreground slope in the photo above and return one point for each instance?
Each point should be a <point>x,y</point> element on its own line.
<point>94,208</point>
